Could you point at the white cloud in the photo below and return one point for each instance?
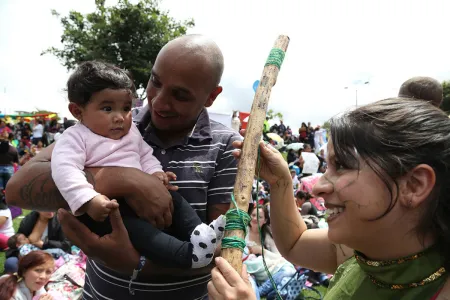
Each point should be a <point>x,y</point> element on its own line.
<point>333,43</point>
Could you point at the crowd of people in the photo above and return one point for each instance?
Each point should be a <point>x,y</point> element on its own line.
<point>386,235</point>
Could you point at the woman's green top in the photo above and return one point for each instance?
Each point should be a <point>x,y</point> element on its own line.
<point>418,276</point>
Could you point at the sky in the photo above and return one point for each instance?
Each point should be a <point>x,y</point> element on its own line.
<point>333,45</point>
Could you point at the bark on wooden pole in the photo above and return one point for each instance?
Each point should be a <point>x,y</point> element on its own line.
<point>247,163</point>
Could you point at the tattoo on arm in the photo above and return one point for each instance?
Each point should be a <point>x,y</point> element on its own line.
<point>41,193</point>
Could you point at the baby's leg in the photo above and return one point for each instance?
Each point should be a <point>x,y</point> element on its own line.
<point>188,226</point>
<point>158,246</point>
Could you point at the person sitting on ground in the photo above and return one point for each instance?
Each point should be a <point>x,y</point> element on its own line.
<point>34,272</point>
<point>304,205</point>
<point>101,97</point>
<point>422,88</point>
<point>6,223</point>
<point>295,181</point>
<point>43,230</point>
<point>21,243</point>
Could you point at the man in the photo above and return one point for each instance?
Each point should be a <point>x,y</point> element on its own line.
<point>38,132</point>
<point>281,128</point>
<point>422,88</point>
<point>185,79</point>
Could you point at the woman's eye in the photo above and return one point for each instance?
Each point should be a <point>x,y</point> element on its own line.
<point>338,166</point>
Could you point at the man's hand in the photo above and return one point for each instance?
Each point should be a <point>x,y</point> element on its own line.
<point>114,250</point>
<point>100,207</point>
<point>149,199</point>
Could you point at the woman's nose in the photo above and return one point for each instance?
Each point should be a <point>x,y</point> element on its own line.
<point>323,186</point>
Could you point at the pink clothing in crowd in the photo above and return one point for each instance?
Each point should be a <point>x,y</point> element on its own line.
<point>78,147</point>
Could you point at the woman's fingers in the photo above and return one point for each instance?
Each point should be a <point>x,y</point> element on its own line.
<point>213,294</point>
<point>219,281</point>
<point>229,274</point>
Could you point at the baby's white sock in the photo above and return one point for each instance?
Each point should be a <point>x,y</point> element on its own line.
<point>204,241</point>
<point>219,227</point>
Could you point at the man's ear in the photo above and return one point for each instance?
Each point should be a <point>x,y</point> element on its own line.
<point>75,110</point>
<point>213,95</point>
<point>417,186</point>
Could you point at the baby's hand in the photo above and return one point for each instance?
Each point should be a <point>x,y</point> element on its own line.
<point>171,177</point>
<point>100,206</point>
<point>165,178</point>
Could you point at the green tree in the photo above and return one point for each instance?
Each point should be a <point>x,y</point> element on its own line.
<point>326,125</point>
<point>127,35</point>
<point>445,106</point>
<point>272,115</point>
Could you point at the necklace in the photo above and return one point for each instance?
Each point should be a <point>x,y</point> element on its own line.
<point>433,277</point>
<point>373,263</point>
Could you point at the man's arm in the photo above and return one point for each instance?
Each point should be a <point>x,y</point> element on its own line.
<point>32,187</point>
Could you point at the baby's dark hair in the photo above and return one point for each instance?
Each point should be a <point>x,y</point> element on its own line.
<point>422,88</point>
<point>12,241</point>
<point>94,76</point>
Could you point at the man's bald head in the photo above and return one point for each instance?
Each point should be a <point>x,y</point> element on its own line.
<point>422,88</point>
<point>202,49</point>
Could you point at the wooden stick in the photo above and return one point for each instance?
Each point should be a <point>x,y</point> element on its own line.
<point>247,163</point>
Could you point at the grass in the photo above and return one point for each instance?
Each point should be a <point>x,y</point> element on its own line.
<point>16,223</point>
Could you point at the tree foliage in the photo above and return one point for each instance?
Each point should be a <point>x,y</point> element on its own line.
<point>272,115</point>
<point>127,35</point>
<point>326,125</point>
<point>445,106</point>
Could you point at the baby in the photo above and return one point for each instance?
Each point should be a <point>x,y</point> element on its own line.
<point>20,242</point>
<point>101,98</point>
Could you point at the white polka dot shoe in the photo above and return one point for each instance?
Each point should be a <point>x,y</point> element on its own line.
<point>204,242</point>
<point>219,226</point>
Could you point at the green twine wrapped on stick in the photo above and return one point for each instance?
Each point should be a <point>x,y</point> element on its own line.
<point>237,219</point>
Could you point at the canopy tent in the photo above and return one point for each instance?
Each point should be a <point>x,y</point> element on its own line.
<point>12,118</point>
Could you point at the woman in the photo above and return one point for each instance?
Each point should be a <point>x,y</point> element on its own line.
<point>277,265</point>
<point>35,270</point>
<point>6,224</point>
<point>8,156</point>
<point>387,193</point>
<point>303,132</point>
<point>253,239</point>
<point>42,230</point>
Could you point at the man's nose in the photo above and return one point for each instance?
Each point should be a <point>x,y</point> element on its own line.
<point>161,101</point>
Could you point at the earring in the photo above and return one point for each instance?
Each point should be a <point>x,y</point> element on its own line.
<point>410,203</point>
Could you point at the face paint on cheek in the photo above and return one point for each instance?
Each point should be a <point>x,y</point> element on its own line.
<point>341,185</point>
